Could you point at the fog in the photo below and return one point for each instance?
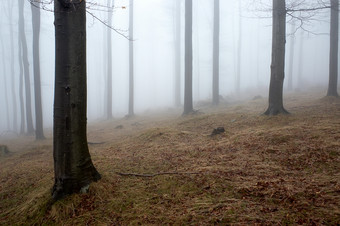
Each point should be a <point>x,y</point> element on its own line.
<point>154,55</point>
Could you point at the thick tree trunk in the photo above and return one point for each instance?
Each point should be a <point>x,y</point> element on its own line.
<point>278,59</point>
<point>22,36</point>
<point>39,131</point>
<point>216,53</point>
<point>178,54</point>
<point>109,64</point>
<point>334,46</point>
<point>73,166</point>
<point>188,105</point>
<point>291,57</point>
<point>131,65</point>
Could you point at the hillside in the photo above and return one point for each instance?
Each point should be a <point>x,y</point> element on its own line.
<point>167,169</point>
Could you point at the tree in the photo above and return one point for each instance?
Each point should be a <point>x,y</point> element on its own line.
<point>73,167</point>
<point>216,53</point>
<point>39,131</point>
<point>334,46</point>
<point>239,49</point>
<point>131,65</point>
<point>291,57</point>
<point>109,63</point>
<point>188,105</point>
<point>5,82</point>
<point>23,44</point>
<point>178,53</point>
<point>278,59</point>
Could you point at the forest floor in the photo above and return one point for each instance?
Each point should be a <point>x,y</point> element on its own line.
<point>160,170</point>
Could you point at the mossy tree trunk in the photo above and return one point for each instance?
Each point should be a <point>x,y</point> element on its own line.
<point>73,166</point>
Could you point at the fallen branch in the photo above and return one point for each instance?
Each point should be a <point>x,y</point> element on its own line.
<point>153,175</point>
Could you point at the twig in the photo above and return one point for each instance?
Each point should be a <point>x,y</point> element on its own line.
<point>153,175</point>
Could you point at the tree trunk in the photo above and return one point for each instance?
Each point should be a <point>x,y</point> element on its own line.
<point>188,105</point>
<point>109,63</point>
<point>178,54</point>
<point>239,50</point>
<point>5,83</point>
<point>300,68</point>
<point>39,131</point>
<point>21,90</point>
<point>278,59</point>
<point>334,46</point>
<point>216,53</point>
<point>73,166</point>
<point>22,36</point>
<point>291,57</point>
<point>131,67</point>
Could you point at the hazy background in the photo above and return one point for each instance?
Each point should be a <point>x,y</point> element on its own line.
<point>154,26</point>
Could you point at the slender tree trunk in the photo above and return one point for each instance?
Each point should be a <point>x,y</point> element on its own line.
<point>188,105</point>
<point>22,36</point>
<point>278,59</point>
<point>334,46</point>
<point>73,166</point>
<point>196,60</point>
<point>216,53</point>
<point>21,90</point>
<point>239,50</point>
<point>5,83</point>
<point>109,63</point>
<point>300,68</point>
<point>39,131</point>
<point>14,96</point>
<point>291,57</point>
<point>178,54</point>
<point>131,65</point>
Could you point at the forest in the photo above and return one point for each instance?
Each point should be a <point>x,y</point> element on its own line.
<point>169,112</point>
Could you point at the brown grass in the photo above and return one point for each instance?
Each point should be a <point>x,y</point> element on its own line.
<point>265,170</point>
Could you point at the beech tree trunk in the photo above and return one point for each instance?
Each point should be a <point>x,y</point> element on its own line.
<point>22,37</point>
<point>131,64</point>
<point>216,53</point>
<point>278,59</point>
<point>188,105</point>
<point>73,167</point>
<point>178,54</point>
<point>109,64</point>
<point>39,131</point>
<point>334,46</point>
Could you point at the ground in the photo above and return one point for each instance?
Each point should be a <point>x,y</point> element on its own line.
<point>169,170</point>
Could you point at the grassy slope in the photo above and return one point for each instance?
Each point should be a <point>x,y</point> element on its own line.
<point>270,170</point>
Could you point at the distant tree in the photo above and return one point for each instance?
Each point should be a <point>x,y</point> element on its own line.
<point>4,71</point>
<point>291,56</point>
<point>216,53</point>
<point>239,49</point>
<point>39,131</point>
<point>21,90</point>
<point>23,44</point>
<point>278,59</point>
<point>110,4</point>
<point>178,53</point>
<point>73,167</point>
<point>334,47</point>
<point>188,105</point>
<point>131,64</point>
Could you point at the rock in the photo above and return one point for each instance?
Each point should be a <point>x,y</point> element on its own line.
<point>218,130</point>
<point>119,127</point>
<point>3,150</point>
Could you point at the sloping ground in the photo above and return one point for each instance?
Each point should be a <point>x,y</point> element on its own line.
<point>169,170</point>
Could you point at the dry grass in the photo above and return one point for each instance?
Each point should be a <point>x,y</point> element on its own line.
<point>266,170</point>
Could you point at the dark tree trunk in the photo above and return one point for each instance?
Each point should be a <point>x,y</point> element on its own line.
<point>216,53</point>
<point>131,67</point>
<point>291,57</point>
<point>334,46</point>
<point>73,166</point>
<point>239,50</point>
<point>109,64</point>
<point>5,83</point>
<point>21,90</point>
<point>178,54</point>
<point>39,131</point>
<point>278,59</point>
<point>188,105</point>
<point>22,36</point>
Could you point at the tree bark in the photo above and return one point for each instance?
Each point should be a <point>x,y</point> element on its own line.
<point>188,105</point>
<point>73,166</point>
<point>178,54</point>
<point>109,64</point>
<point>22,36</point>
<point>291,57</point>
<point>131,64</point>
<point>39,131</point>
<point>278,59</point>
<point>334,46</point>
<point>216,53</point>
